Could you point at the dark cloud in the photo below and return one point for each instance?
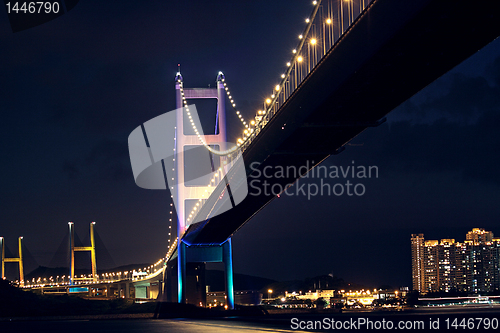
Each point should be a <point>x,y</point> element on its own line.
<point>493,71</point>
<point>107,161</point>
<point>110,161</point>
<point>70,169</point>
<point>466,98</point>
<point>454,132</point>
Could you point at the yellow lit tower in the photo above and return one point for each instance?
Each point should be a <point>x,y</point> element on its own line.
<point>73,248</point>
<point>19,260</point>
<point>417,261</point>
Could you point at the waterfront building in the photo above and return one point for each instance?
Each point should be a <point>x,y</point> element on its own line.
<point>446,265</point>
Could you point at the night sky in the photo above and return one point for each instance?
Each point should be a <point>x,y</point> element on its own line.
<point>74,88</point>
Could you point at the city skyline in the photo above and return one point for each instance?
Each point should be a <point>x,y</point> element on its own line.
<point>472,266</point>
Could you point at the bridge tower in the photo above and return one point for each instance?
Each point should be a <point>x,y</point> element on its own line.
<point>189,256</point>
<point>19,260</point>
<point>73,249</point>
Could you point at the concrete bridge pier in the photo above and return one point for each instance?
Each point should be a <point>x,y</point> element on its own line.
<point>188,272</point>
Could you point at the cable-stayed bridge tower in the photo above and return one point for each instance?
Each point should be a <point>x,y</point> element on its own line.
<point>18,259</point>
<point>73,249</point>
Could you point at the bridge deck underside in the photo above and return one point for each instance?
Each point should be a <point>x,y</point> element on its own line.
<point>393,50</point>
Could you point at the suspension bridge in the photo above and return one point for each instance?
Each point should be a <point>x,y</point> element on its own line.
<point>354,62</point>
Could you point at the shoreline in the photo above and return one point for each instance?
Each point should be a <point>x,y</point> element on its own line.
<point>439,311</point>
<point>82,317</point>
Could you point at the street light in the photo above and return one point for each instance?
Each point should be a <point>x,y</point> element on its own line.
<point>269,293</point>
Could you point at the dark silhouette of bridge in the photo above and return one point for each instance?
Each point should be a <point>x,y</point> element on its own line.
<point>393,50</point>
<point>388,53</point>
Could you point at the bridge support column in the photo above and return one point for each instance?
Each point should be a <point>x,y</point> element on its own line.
<point>21,266</point>
<point>2,256</point>
<point>191,271</point>
<point>227,258</point>
<point>71,253</point>
<point>170,282</point>
<point>181,272</point>
<point>73,248</point>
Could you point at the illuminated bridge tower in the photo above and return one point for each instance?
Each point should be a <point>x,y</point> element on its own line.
<point>73,249</point>
<point>19,260</point>
<point>191,258</point>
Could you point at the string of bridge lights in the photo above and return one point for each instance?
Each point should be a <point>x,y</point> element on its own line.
<point>278,88</point>
<point>90,279</point>
<point>211,184</point>
<point>297,58</point>
<point>238,113</point>
<point>218,173</point>
<point>249,127</point>
<point>195,129</point>
<point>170,219</point>
<point>171,249</point>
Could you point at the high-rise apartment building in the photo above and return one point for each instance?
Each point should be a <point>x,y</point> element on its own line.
<point>417,255</point>
<point>445,265</point>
